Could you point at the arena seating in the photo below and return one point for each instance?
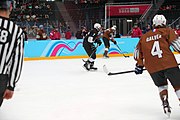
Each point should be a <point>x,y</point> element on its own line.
<point>171,10</point>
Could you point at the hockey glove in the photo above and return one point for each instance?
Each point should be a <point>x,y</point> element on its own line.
<point>139,69</point>
<point>99,42</point>
<point>115,42</point>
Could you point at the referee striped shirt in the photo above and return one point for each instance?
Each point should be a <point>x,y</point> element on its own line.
<point>11,50</point>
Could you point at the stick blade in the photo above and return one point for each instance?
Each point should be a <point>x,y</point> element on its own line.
<point>126,56</point>
<point>84,60</point>
<point>105,70</point>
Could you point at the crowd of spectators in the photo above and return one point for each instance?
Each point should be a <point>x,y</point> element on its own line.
<point>177,30</point>
<point>138,32</point>
<point>170,9</point>
<point>35,15</point>
<point>167,7</point>
<point>33,11</point>
<point>40,32</point>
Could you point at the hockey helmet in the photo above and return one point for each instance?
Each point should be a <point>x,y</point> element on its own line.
<point>113,27</point>
<point>159,20</point>
<point>97,26</point>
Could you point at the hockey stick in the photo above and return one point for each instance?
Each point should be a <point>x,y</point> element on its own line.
<point>116,73</point>
<point>121,51</point>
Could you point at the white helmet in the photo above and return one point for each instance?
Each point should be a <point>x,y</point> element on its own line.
<point>97,26</point>
<point>113,27</point>
<point>159,20</point>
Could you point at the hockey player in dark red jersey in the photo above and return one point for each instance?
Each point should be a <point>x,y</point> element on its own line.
<point>88,43</point>
<point>153,51</point>
<point>107,37</point>
<point>11,51</point>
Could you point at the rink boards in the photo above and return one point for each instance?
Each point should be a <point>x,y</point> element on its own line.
<point>55,49</point>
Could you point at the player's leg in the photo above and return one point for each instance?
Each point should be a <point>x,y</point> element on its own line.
<point>1,97</point>
<point>161,82</point>
<point>88,49</point>
<point>92,60</point>
<point>3,85</point>
<point>173,75</point>
<point>107,45</point>
<point>89,64</point>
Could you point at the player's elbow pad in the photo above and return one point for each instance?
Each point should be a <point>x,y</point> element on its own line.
<point>176,45</point>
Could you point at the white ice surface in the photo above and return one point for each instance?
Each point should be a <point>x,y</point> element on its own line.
<point>63,90</point>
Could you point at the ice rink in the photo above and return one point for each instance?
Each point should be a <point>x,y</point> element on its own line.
<point>63,90</point>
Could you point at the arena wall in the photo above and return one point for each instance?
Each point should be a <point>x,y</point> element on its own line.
<point>66,49</point>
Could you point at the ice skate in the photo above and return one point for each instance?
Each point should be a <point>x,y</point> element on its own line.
<point>92,66</point>
<point>105,54</point>
<point>166,108</point>
<point>86,66</point>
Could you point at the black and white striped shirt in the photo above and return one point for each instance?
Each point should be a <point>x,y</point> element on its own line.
<point>11,50</point>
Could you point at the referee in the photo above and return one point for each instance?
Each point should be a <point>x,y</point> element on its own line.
<point>11,51</point>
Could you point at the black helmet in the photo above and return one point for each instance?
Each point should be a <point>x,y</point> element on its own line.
<point>5,4</point>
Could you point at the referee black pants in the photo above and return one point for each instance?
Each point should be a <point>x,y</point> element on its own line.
<point>3,86</point>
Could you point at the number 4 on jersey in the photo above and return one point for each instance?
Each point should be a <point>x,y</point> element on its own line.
<point>156,50</point>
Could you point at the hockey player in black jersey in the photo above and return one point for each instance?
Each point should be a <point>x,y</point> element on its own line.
<point>92,37</point>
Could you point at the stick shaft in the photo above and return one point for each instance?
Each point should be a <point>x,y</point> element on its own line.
<point>93,51</point>
<point>121,51</point>
<point>123,72</point>
<point>116,73</point>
